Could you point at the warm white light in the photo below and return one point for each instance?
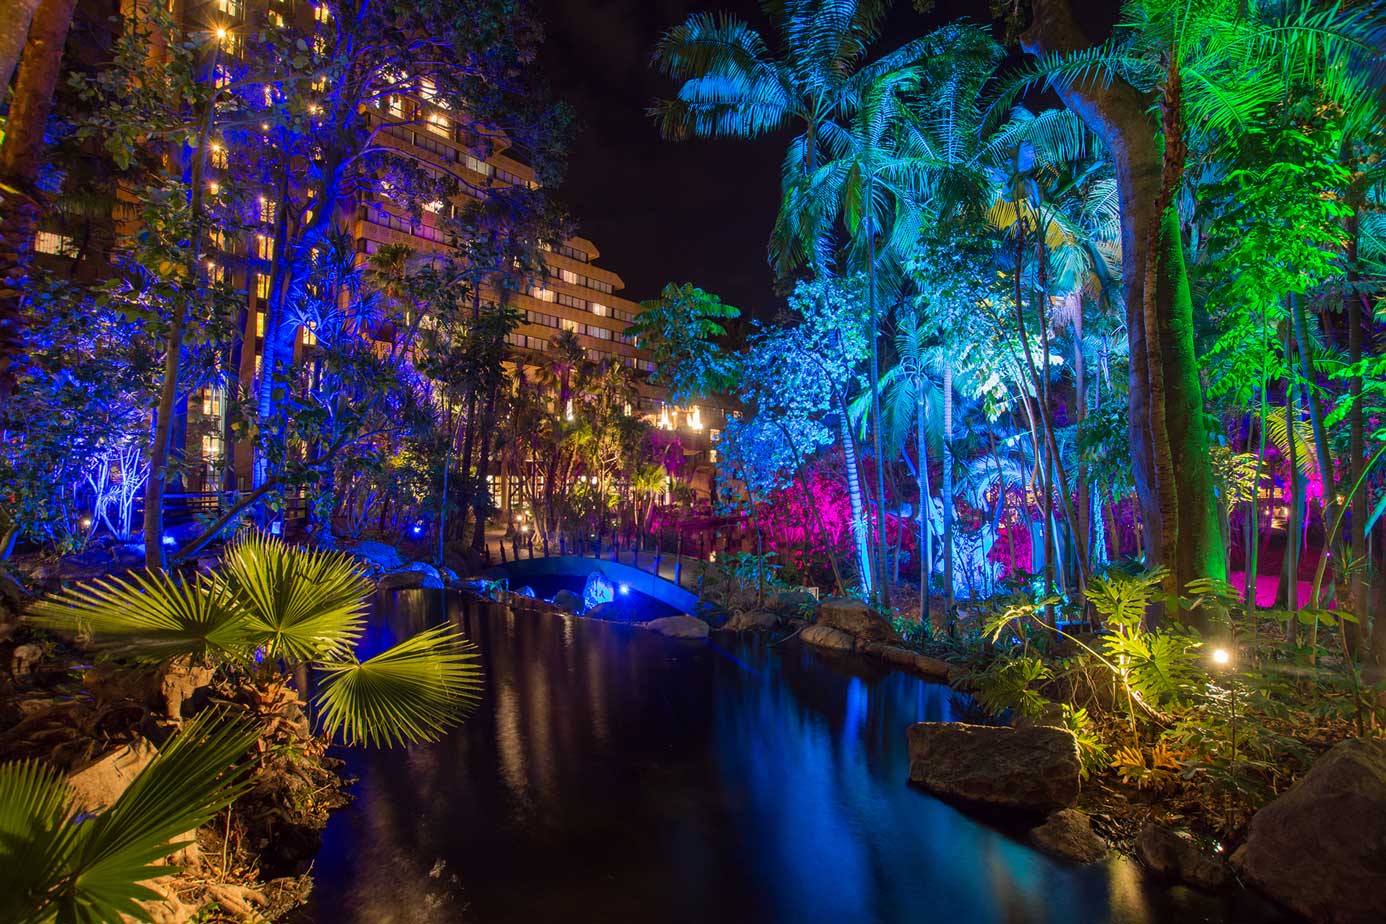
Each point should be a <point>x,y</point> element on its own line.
<point>1221,656</point>
<point>221,32</point>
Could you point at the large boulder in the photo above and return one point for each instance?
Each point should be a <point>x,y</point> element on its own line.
<point>856,619</point>
<point>99,783</point>
<point>1068,835</point>
<point>1033,769</point>
<point>1176,856</point>
<point>828,637</point>
<point>378,555</point>
<point>567,600</point>
<point>752,621</point>
<point>680,626</point>
<point>432,577</point>
<point>597,590</point>
<point>1320,848</point>
<point>401,580</point>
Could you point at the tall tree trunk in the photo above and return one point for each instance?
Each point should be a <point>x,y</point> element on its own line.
<point>926,543</point>
<point>1168,441</point>
<point>946,491</point>
<point>1357,537</point>
<point>882,545</point>
<point>15,16</point>
<point>164,413</point>
<point>1080,386</point>
<point>1311,401</point>
<point>861,528</point>
<point>25,127</point>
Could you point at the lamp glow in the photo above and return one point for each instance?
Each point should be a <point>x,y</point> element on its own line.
<point>1221,656</point>
<point>221,32</point>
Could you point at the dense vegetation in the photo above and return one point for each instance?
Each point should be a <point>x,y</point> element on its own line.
<point>1079,375</point>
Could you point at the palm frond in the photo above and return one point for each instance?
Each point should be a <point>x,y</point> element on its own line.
<point>412,692</point>
<point>152,616</point>
<point>300,603</point>
<point>91,871</point>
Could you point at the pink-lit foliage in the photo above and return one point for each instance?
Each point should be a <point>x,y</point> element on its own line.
<point>796,535</point>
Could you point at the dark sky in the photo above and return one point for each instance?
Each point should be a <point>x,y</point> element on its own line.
<point>664,211</point>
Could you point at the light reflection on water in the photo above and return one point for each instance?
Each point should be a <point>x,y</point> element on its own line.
<point>614,775</point>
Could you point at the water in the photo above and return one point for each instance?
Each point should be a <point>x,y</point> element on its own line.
<point>614,775</point>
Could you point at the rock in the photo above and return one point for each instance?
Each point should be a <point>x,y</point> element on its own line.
<point>23,659</point>
<point>934,669</point>
<point>680,626</point>
<point>1035,769</point>
<point>791,602</point>
<point>180,680</point>
<point>1320,848</point>
<point>1051,716</point>
<point>383,557</point>
<point>828,637</point>
<point>1068,835</point>
<point>432,578</point>
<point>753,621</point>
<point>856,619</point>
<point>401,580</point>
<point>597,590</point>
<point>450,577</point>
<point>102,781</point>
<point>567,600</point>
<point>1176,856</point>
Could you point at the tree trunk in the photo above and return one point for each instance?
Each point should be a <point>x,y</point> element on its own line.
<point>173,350</point>
<point>1168,440</point>
<point>15,16</point>
<point>861,529</point>
<point>1080,385</point>
<point>926,544</point>
<point>946,492</point>
<point>20,208</point>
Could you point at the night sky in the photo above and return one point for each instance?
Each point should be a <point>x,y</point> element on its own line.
<point>664,211</point>
<point>692,211</point>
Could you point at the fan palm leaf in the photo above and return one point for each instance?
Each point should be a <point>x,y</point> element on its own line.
<point>412,692</point>
<point>300,603</point>
<point>56,866</point>
<point>153,616</point>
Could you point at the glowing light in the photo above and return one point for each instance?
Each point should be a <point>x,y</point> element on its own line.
<point>1221,656</point>
<point>221,33</point>
<point>625,588</point>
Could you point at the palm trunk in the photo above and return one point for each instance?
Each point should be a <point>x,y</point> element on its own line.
<point>861,534</point>
<point>946,490</point>
<point>1169,443</point>
<point>926,545</point>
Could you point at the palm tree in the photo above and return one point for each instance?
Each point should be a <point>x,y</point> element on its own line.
<point>1212,68</point>
<point>286,606</point>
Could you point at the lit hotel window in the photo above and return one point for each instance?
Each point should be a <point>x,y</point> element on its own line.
<point>259,324</point>
<point>230,7</point>
<point>310,337</point>
<point>264,246</point>
<point>218,155</point>
<point>262,284</point>
<point>598,309</point>
<point>58,244</point>
<point>440,125</point>
<point>266,210</point>
<point>321,13</point>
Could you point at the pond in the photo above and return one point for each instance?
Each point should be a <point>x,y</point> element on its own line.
<point>611,774</point>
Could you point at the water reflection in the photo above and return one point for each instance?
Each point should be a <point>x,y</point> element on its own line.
<point>614,775</point>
